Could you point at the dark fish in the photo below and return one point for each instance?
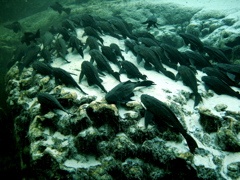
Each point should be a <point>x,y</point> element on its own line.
<point>122,27</point>
<point>107,28</point>
<point>195,42</point>
<point>15,26</point>
<point>230,68</point>
<point>65,33</point>
<point>91,74</point>
<point>92,43</point>
<point>219,86</point>
<point>69,25</point>
<point>161,112</point>
<point>110,55</point>
<point>18,54</point>
<point>29,37</point>
<point>216,54</point>
<point>151,21</point>
<point>46,55</point>
<point>42,68</point>
<point>61,48</point>
<point>77,44</point>
<point>30,56</point>
<point>144,34</point>
<point>46,39</point>
<point>211,71</point>
<point>151,60</point>
<point>65,78</point>
<point>102,63</point>
<point>88,20</point>
<point>131,70</point>
<point>49,102</point>
<point>148,41</point>
<point>173,55</point>
<point>130,44</point>
<point>197,60</point>
<point>92,32</point>
<point>190,80</point>
<point>59,8</point>
<point>116,49</point>
<point>123,92</point>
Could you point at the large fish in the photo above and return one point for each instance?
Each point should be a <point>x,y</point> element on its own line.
<point>15,26</point>
<point>219,86</point>
<point>77,44</point>
<point>216,54</point>
<point>161,112</point>
<point>92,43</point>
<point>65,78</point>
<point>195,42</point>
<point>116,49</point>
<point>110,55</point>
<point>92,32</point>
<point>190,80</point>
<point>61,48</point>
<point>91,74</point>
<point>29,37</point>
<point>151,21</point>
<point>123,92</point>
<point>131,70</point>
<point>102,63</point>
<point>59,8</point>
<point>49,102</point>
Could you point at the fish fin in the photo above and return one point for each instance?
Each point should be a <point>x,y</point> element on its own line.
<point>139,59</point>
<point>80,77</point>
<point>143,77</point>
<point>146,83</point>
<point>178,76</point>
<point>148,118</point>
<point>148,66</point>
<point>198,99</point>
<point>190,142</point>
<point>116,75</point>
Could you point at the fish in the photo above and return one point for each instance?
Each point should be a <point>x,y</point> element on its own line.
<point>194,41</point>
<point>189,79</point>
<point>212,71</point>
<point>61,48</point>
<point>230,69</point>
<point>148,42</point>
<point>46,55</point>
<point>151,60</point>
<point>173,55</point>
<point>59,8</point>
<point>110,55</point>
<point>102,63</point>
<point>18,54</point>
<point>91,74</point>
<point>151,21</point>
<point>77,44</point>
<point>15,26</point>
<point>92,43</point>
<point>219,86</point>
<point>122,27</point>
<point>92,32</point>
<point>29,57</point>
<point>88,20</point>
<point>29,37</point>
<point>69,25</point>
<point>116,49</point>
<point>216,54</point>
<point>49,102</point>
<point>123,92</point>
<point>46,39</point>
<point>197,60</point>
<point>42,68</point>
<point>107,28</point>
<point>131,70</point>
<point>66,78</point>
<point>129,45</point>
<point>162,113</point>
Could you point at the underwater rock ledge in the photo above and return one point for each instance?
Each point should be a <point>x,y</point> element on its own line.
<point>97,140</point>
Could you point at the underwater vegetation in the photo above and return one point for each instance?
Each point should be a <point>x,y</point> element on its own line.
<point>92,97</point>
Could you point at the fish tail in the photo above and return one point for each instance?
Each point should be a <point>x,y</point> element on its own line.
<point>146,83</point>
<point>169,74</point>
<point>101,39</point>
<point>116,75</point>
<point>102,87</point>
<point>190,142</point>
<point>20,68</point>
<point>81,90</point>
<point>198,99</point>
